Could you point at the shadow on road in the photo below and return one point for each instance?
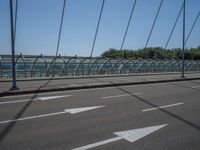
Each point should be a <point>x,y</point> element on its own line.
<point>163,110</point>
<point>11,125</point>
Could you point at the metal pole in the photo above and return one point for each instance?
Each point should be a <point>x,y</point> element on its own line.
<point>14,86</point>
<point>183,44</point>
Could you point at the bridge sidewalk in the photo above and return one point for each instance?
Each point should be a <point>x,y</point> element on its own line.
<point>59,84</point>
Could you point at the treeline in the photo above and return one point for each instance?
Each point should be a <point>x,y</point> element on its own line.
<point>153,53</point>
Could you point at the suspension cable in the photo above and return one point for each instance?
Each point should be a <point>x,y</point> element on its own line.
<point>154,23</point>
<point>59,35</point>
<point>99,20</point>
<point>124,38</point>
<point>192,27</point>
<point>60,30</point>
<point>16,14</point>
<point>174,26</point>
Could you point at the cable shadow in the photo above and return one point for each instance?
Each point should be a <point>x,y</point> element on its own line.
<point>11,125</point>
<point>162,110</point>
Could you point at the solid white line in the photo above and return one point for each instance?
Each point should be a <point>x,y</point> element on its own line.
<point>33,117</point>
<point>36,99</point>
<point>98,143</point>
<point>115,96</point>
<point>163,106</point>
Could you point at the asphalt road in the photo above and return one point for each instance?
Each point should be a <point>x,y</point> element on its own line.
<point>39,122</point>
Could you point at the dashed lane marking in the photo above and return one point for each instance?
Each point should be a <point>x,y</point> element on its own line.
<point>176,104</point>
<point>123,95</point>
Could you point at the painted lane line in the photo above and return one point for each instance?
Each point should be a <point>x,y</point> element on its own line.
<point>36,99</point>
<point>115,96</point>
<point>71,111</point>
<point>176,104</point>
<point>129,135</point>
<point>196,87</point>
<point>52,97</point>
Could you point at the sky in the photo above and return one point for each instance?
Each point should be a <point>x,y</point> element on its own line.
<point>38,25</point>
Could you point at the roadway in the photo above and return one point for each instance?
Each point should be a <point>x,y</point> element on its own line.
<point>46,121</point>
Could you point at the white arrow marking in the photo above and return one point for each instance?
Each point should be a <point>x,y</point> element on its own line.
<point>129,135</point>
<point>78,110</point>
<point>35,99</point>
<point>71,111</point>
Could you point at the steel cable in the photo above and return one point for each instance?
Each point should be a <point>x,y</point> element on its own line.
<point>16,14</point>
<point>97,28</point>
<point>154,23</point>
<point>174,27</point>
<point>60,29</point>
<point>197,17</point>
<point>131,15</point>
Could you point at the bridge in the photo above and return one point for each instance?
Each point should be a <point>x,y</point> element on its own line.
<point>56,101</point>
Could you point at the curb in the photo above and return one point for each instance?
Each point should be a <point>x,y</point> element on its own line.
<point>96,76</point>
<point>11,93</point>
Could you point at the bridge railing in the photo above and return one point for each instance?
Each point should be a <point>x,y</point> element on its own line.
<point>47,66</point>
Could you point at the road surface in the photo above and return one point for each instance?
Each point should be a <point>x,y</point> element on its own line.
<point>160,116</point>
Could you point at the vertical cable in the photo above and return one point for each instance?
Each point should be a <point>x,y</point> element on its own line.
<point>124,38</point>
<point>154,23</point>
<point>174,27</point>
<point>97,28</point>
<point>192,27</point>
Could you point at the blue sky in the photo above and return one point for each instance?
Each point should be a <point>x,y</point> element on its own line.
<point>38,25</point>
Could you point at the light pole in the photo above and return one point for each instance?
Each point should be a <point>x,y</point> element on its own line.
<point>14,86</point>
<point>183,44</point>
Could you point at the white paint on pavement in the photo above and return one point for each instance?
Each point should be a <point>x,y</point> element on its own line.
<point>123,95</point>
<point>98,143</point>
<point>78,110</point>
<point>70,91</point>
<point>129,135</point>
<point>71,111</point>
<point>176,104</point>
<point>52,97</point>
<point>196,87</point>
<point>33,117</point>
<point>35,99</point>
